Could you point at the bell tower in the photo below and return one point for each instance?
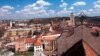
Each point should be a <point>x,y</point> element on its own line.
<point>72,20</point>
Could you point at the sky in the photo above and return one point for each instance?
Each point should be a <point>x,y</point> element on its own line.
<point>29,9</point>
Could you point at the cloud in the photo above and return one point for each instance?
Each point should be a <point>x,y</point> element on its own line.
<point>63,4</point>
<point>79,3</point>
<point>63,12</point>
<point>42,8</point>
<point>7,7</point>
<point>5,10</point>
<point>97,4</point>
<point>95,11</point>
<point>90,10</point>
<point>42,3</point>
<point>38,7</point>
<point>51,11</point>
<point>71,8</point>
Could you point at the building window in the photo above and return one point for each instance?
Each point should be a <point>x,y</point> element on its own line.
<point>36,46</point>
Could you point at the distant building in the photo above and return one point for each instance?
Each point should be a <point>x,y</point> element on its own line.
<point>71,22</point>
<point>24,44</point>
<point>21,24</point>
<point>42,44</point>
<point>38,45</point>
<point>50,44</point>
<point>11,24</point>
<point>22,32</point>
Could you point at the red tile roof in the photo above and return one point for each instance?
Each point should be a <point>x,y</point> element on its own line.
<point>38,41</point>
<point>96,28</point>
<point>20,39</point>
<point>30,40</point>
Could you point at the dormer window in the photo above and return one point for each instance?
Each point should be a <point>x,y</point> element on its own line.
<point>95,33</point>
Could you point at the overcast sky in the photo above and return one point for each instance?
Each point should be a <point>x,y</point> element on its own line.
<point>27,9</point>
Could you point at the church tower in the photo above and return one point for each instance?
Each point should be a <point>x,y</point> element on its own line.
<point>72,20</point>
<point>11,23</point>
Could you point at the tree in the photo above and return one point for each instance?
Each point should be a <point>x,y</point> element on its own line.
<point>2,31</point>
<point>30,33</point>
<point>31,49</point>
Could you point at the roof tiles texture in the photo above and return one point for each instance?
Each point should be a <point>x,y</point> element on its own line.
<point>80,33</point>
